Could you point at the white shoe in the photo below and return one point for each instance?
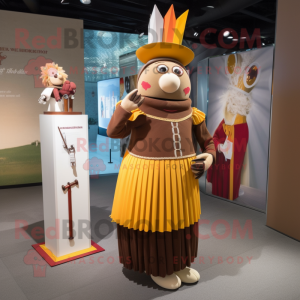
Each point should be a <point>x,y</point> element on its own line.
<point>188,275</point>
<point>170,282</point>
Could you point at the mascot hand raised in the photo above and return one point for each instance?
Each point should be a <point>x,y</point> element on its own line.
<point>132,101</point>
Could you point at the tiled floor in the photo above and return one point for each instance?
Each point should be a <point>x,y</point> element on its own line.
<point>263,266</point>
<point>250,197</point>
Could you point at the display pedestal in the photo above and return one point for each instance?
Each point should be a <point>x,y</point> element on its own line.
<point>53,261</point>
<point>57,172</point>
<point>62,113</point>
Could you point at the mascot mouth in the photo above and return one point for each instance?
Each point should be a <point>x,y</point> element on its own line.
<point>170,111</point>
<point>166,99</point>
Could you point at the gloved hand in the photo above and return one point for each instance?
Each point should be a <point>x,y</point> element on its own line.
<point>198,167</point>
<point>132,101</point>
<point>42,99</point>
<point>68,88</point>
<point>201,163</point>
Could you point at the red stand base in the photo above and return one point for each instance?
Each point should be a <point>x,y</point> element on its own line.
<point>53,261</point>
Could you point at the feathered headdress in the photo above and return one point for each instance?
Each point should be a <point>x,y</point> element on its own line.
<point>165,38</point>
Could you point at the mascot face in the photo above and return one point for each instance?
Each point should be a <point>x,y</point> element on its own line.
<point>55,77</point>
<point>164,80</point>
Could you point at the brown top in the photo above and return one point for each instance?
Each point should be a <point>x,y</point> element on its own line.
<point>163,130</point>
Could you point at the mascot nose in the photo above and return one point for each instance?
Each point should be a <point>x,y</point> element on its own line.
<point>55,76</point>
<point>169,83</point>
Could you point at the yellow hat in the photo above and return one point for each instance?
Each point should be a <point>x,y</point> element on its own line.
<point>165,38</point>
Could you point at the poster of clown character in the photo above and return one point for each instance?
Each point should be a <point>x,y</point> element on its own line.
<point>239,110</point>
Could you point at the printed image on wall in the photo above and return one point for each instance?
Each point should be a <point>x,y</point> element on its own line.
<point>21,87</point>
<point>117,63</point>
<point>238,117</point>
<point>104,148</point>
<point>108,96</point>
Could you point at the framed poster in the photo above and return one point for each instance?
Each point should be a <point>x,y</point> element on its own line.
<point>238,117</point>
<point>108,96</point>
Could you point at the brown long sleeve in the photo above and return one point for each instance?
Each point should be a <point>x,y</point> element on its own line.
<point>119,126</point>
<point>204,139</point>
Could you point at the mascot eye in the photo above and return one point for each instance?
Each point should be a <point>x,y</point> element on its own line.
<point>162,69</point>
<point>178,71</point>
<point>52,72</point>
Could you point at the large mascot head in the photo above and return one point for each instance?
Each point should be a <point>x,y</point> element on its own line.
<point>53,75</point>
<point>164,75</point>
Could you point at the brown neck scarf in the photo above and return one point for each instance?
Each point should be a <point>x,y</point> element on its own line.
<point>171,109</point>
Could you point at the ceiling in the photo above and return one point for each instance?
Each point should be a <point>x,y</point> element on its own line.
<point>132,16</point>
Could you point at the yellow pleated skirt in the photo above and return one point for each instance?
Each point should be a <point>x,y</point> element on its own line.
<point>156,195</point>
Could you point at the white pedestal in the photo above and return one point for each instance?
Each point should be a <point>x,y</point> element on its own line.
<point>56,171</point>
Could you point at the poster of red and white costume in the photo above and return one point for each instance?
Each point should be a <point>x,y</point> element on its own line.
<point>239,110</point>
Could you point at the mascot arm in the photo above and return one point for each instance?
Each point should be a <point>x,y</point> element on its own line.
<point>56,94</point>
<point>119,126</point>
<point>204,139</point>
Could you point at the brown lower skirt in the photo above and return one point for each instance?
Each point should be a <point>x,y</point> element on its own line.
<point>157,253</point>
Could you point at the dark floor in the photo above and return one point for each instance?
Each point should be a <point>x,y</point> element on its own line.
<point>263,266</point>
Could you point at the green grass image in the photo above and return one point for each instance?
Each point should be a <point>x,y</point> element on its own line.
<point>20,165</point>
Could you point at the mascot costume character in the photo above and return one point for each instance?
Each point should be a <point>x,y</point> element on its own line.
<point>56,87</point>
<point>157,201</point>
